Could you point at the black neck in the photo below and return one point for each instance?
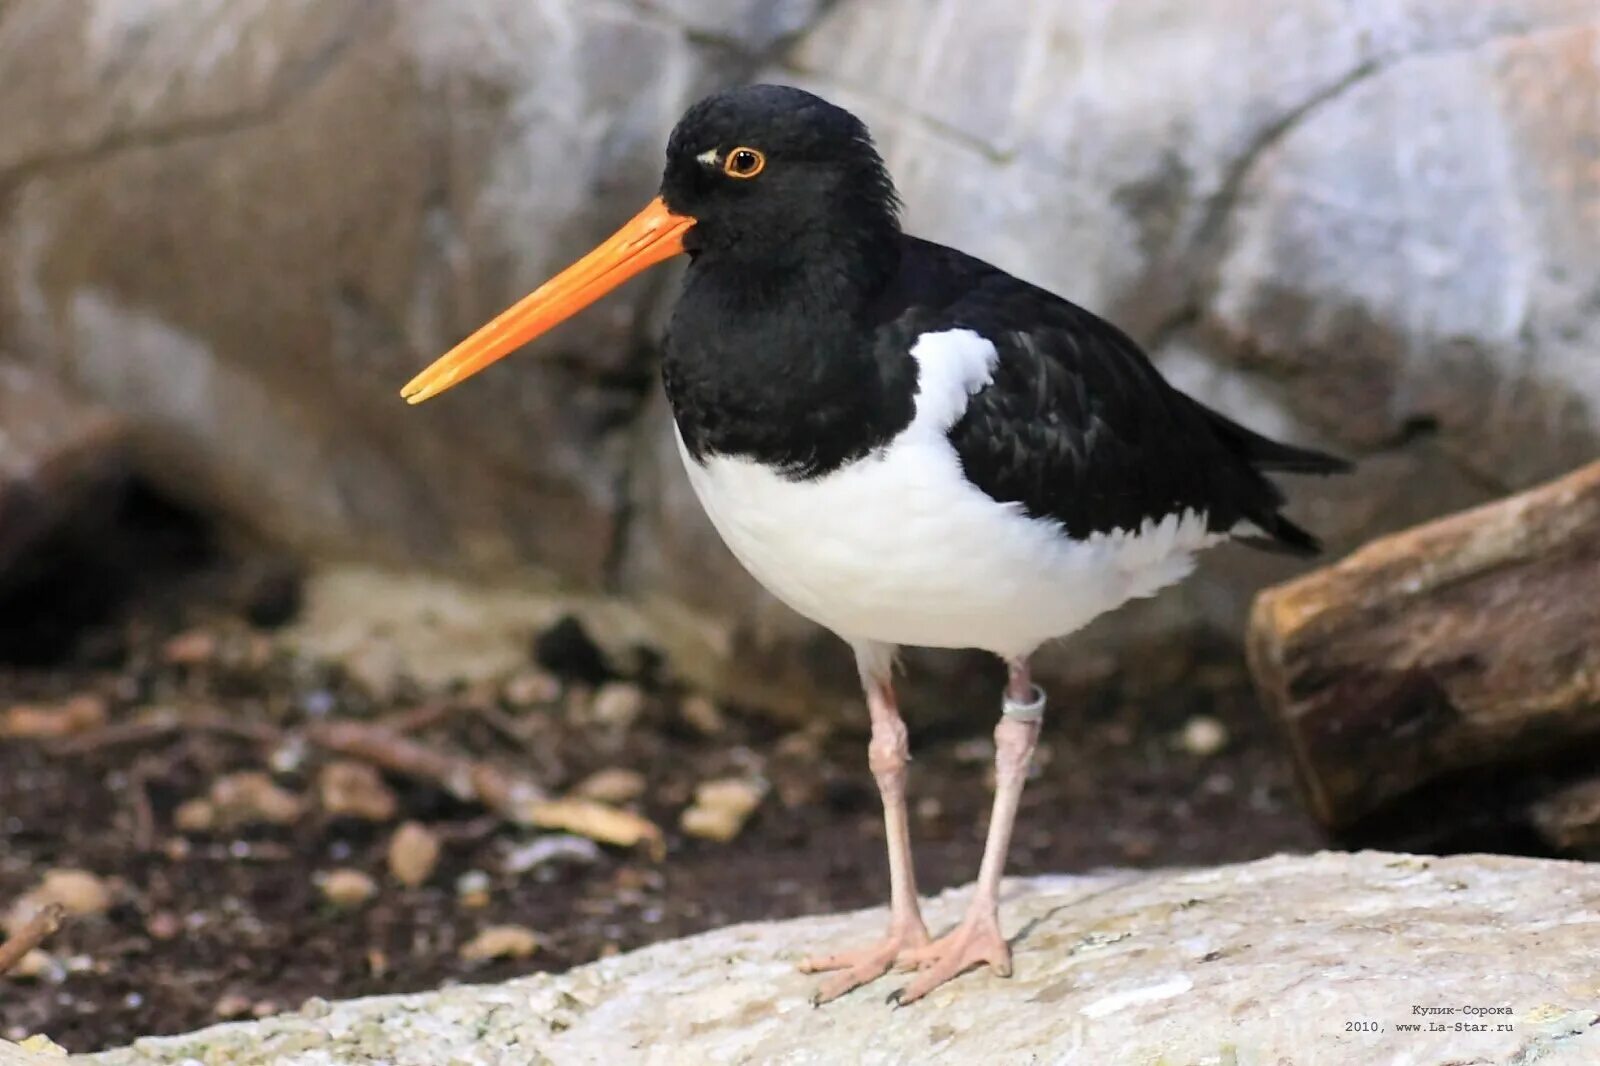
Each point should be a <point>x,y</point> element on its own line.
<point>778,361</point>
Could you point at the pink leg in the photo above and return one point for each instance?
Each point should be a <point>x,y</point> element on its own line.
<point>887,754</point>
<point>977,939</point>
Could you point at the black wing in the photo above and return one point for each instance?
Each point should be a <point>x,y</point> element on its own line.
<point>1078,426</point>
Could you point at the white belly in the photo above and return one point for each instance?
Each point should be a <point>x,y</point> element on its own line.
<point>900,548</point>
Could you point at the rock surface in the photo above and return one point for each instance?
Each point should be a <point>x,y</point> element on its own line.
<point>1277,961</point>
<point>59,457</point>
<point>1370,226</point>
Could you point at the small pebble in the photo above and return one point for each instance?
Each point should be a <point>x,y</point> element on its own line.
<point>501,942</point>
<point>355,790</point>
<point>318,703</point>
<point>472,889</point>
<point>555,847</point>
<point>289,756</point>
<point>612,785</point>
<point>38,965</point>
<point>252,798</point>
<point>79,893</point>
<point>346,887</point>
<point>413,854</point>
<point>194,647</point>
<point>231,1006</point>
<point>42,1045</point>
<point>195,816</point>
<point>617,704</point>
<point>531,688</point>
<point>163,925</point>
<point>1203,736</point>
<point>702,715</point>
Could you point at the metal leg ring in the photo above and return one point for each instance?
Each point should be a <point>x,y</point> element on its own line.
<point>1032,711</point>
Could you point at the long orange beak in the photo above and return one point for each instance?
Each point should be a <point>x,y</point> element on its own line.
<point>651,236</point>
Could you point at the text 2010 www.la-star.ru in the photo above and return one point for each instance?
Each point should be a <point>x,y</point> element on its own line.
<point>1442,1027</point>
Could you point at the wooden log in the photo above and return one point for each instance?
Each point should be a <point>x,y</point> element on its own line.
<point>1470,641</point>
<point>1568,819</point>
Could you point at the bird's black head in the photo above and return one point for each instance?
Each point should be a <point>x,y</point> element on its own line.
<point>765,185</point>
<point>770,173</point>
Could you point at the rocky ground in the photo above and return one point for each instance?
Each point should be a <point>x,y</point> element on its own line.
<point>1336,959</point>
<point>240,825</point>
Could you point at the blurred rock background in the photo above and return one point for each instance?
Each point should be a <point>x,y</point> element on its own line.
<point>242,224</point>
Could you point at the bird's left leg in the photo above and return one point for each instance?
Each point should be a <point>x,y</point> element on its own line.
<point>977,940</point>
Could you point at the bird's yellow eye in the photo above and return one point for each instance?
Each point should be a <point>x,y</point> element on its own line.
<point>744,163</point>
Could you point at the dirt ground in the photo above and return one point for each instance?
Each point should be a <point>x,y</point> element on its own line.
<point>205,924</point>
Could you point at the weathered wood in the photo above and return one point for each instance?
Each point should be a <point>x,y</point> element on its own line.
<point>1569,818</point>
<point>1465,642</point>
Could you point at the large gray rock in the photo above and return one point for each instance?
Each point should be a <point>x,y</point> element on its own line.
<point>1374,226</point>
<point>1313,960</point>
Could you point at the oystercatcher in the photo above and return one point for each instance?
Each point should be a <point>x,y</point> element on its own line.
<point>906,445</point>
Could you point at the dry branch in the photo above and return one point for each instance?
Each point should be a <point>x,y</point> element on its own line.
<point>35,931</point>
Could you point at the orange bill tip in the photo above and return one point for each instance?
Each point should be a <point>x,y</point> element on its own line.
<point>653,235</point>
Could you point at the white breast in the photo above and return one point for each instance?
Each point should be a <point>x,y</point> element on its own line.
<point>899,547</point>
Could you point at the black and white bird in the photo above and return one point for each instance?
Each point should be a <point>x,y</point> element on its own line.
<point>906,445</point>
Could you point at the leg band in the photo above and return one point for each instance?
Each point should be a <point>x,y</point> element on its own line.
<point>1032,711</point>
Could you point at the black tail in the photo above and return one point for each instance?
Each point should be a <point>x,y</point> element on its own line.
<point>1282,537</point>
<point>1263,453</point>
<point>1276,533</point>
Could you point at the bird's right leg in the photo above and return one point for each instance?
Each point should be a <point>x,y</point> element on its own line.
<point>887,754</point>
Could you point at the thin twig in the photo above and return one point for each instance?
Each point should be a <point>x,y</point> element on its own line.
<point>416,719</point>
<point>158,725</point>
<point>467,779</point>
<point>144,816</point>
<point>33,933</point>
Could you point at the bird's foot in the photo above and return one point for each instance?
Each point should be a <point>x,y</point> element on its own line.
<point>856,968</point>
<point>975,942</point>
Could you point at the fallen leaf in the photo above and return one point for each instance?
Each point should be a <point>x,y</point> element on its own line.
<point>26,721</point>
<point>613,785</point>
<point>721,808</point>
<point>501,942</point>
<point>597,821</point>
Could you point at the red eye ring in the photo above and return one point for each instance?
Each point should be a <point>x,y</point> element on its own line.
<point>744,162</point>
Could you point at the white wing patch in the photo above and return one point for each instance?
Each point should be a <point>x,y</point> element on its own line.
<point>951,367</point>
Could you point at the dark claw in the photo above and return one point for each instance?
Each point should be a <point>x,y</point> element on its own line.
<point>893,998</point>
